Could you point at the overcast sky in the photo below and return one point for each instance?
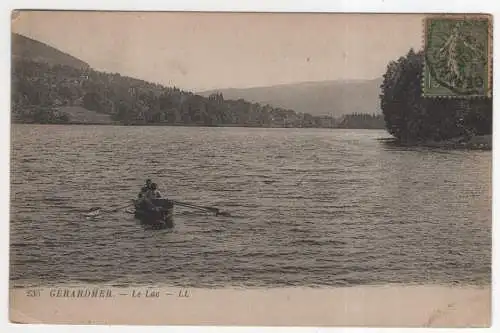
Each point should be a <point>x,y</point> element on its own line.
<point>199,51</point>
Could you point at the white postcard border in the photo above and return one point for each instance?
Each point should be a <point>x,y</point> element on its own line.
<point>430,6</point>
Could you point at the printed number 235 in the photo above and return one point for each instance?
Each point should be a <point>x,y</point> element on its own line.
<point>33,293</point>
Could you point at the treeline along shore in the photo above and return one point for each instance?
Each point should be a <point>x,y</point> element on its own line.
<point>60,94</point>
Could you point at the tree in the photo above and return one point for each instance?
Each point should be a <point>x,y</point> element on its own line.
<point>92,101</point>
<point>411,118</point>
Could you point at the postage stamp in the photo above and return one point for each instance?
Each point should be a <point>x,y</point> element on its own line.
<point>457,56</point>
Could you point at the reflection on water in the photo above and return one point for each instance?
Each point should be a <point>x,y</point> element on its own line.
<point>308,206</point>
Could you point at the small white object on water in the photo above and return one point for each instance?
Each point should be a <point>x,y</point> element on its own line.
<point>93,213</point>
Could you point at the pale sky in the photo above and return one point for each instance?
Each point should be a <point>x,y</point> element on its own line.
<point>200,51</point>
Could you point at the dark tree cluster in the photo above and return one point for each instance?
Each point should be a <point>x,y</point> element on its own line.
<point>412,118</point>
<point>361,120</point>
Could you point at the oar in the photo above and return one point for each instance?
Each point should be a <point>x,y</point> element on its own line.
<point>205,208</point>
<point>97,210</point>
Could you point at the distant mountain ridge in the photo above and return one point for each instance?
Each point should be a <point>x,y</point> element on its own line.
<point>335,98</point>
<point>33,50</point>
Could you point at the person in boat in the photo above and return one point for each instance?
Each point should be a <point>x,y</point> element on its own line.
<point>143,195</point>
<point>156,194</point>
<point>145,189</point>
<point>150,196</point>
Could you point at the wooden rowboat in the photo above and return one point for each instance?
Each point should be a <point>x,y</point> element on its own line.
<point>160,216</point>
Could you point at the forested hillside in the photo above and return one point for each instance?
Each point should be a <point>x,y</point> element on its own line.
<point>40,89</point>
<point>33,50</point>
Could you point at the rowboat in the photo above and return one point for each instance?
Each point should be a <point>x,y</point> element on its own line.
<point>160,216</point>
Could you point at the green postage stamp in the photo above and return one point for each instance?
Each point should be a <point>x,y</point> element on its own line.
<point>457,56</point>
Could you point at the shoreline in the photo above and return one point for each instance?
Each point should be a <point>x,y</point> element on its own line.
<point>368,306</point>
<point>184,125</point>
<point>479,142</point>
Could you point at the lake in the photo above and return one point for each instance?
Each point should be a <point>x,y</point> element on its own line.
<point>310,207</point>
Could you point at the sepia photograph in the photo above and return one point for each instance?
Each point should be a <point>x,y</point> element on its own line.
<point>251,169</point>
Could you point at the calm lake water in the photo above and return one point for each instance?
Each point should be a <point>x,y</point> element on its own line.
<point>310,207</point>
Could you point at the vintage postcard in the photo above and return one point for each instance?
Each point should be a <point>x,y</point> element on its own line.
<point>251,169</point>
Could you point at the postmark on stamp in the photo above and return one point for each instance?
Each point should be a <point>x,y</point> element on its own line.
<point>457,56</point>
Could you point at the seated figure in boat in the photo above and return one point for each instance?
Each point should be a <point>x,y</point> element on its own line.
<point>145,189</point>
<point>149,199</point>
<point>144,196</point>
<point>155,193</point>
